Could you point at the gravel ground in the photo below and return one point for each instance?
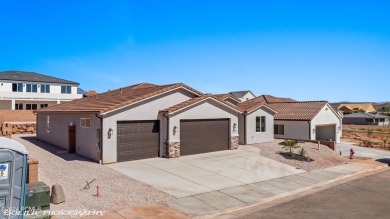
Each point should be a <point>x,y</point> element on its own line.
<point>72,171</point>
<point>320,159</point>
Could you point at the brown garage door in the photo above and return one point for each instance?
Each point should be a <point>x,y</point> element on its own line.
<point>201,136</point>
<point>137,140</point>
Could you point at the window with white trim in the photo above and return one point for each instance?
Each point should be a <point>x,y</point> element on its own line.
<point>260,124</point>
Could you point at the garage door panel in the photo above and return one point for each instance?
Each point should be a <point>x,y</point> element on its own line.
<point>201,136</point>
<point>137,140</point>
<point>326,132</point>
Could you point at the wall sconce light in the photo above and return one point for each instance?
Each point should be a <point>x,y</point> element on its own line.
<point>314,131</point>
<point>70,123</point>
<point>234,127</point>
<point>1,84</point>
<point>110,133</point>
<point>174,130</point>
<point>339,128</point>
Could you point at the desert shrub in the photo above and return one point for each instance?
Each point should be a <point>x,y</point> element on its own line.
<point>302,152</point>
<point>290,145</point>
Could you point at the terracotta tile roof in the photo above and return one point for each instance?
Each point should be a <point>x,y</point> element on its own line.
<point>271,99</point>
<point>196,100</point>
<point>111,100</point>
<point>225,96</point>
<point>303,110</point>
<point>248,107</point>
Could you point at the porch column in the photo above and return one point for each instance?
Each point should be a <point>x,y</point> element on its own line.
<point>13,104</point>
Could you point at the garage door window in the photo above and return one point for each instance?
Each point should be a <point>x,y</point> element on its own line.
<point>260,124</point>
<point>279,129</point>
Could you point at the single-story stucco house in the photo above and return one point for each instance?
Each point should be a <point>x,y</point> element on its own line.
<point>306,120</point>
<point>365,119</point>
<point>141,121</point>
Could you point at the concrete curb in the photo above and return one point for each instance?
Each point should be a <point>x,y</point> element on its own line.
<point>378,166</point>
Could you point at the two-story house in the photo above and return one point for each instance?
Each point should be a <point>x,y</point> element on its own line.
<point>29,91</point>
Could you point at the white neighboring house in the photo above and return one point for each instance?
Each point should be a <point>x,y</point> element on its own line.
<point>306,120</point>
<point>243,95</point>
<point>29,91</point>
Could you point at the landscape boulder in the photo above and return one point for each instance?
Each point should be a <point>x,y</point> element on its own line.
<point>57,194</point>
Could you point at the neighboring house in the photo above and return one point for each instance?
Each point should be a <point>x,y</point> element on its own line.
<point>313,120</point>
<point>30,91</point>
<point>256,123</point>
<point>141,121</point>
<point>365,119</point>
<point>349,108</point>
<point>243,95</point>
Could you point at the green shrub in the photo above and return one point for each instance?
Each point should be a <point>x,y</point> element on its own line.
<point>290,145</point>
<point>302,152</point>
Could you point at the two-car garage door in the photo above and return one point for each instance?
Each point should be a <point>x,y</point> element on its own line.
<point>140,139</point>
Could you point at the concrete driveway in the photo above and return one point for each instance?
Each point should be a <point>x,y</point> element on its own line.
<point>201,173</point>
<point>361,151</point>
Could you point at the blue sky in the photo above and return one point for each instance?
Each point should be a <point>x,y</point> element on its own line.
<point>307,50</point>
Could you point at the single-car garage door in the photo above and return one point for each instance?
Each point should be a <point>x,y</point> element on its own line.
<point>201,136</point>
<point>326,132</point>
<point>137,140</point>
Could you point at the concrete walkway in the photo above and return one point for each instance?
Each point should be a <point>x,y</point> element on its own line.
<point>362,151</point>
<point>204,173</point>
<point>214,203</point>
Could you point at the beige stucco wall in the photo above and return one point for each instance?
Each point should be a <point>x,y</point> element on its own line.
<point>253,137</point>
<point>324,117</point>
<point>207,109</point>
<point>5,104</point>
<point>86,138</point>
<point>294,129</point>
<point>144,110</point>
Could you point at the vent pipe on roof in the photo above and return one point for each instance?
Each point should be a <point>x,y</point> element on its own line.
<point>121,90</point>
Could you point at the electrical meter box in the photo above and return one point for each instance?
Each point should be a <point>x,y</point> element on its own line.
<point>13,175</point>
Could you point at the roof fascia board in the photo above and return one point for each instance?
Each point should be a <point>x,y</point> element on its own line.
<point>181,87</point>
<point>211,98</point>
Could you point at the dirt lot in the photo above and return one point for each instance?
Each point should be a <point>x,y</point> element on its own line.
<point>358,134</point>
<point>73,171</point>
<point>319,159</point>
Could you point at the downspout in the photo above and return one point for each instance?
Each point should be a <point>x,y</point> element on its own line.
<point>36,124</point>
<point>309,130</point>
<point>167,137</point>
<point>101,137</point>
<point>244,129</point>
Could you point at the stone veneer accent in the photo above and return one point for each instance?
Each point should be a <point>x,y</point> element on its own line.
<point>172,149</point>
<point>234,143</point>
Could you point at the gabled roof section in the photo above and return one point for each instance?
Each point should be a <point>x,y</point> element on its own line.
<point>299,111</point>
<point>242,93</point>
<point>271,99</point>
<point>32,77</point>
<point>195,100</point>
<point>112,100</point>
<point>226,96</point>
<point>248,107</point>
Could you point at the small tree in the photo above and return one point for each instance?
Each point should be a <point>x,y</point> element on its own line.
<point>369,133</point>
<point>290,145</point>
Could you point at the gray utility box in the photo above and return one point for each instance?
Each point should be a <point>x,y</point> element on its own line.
<point>38,196</point>
<point>13,175</point>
